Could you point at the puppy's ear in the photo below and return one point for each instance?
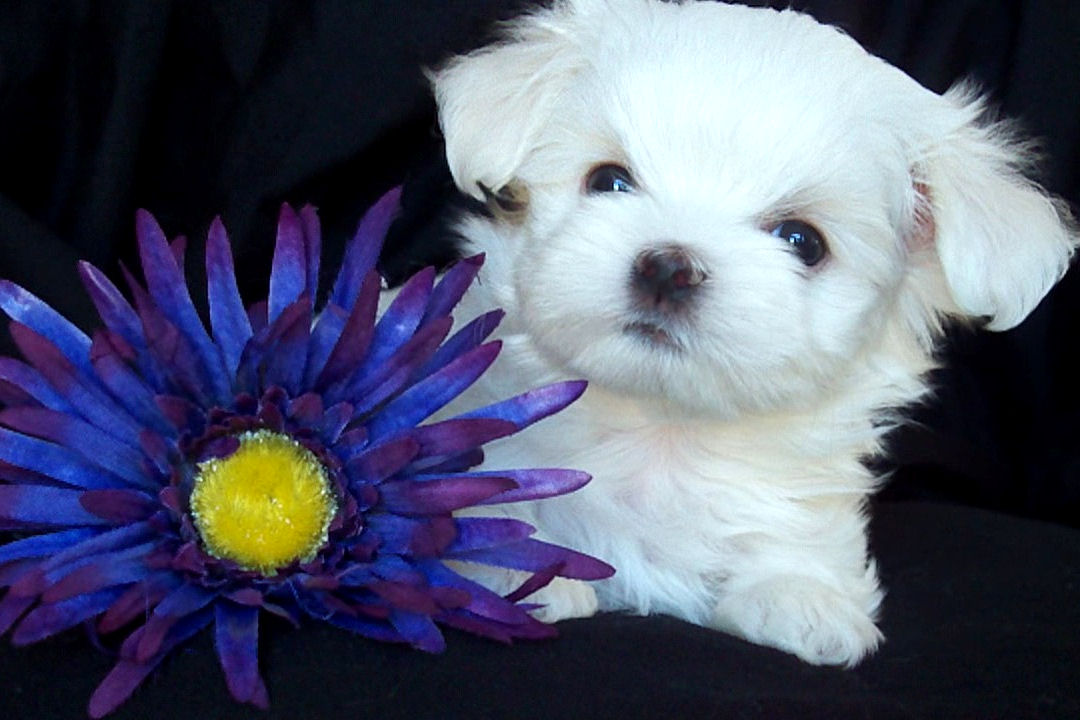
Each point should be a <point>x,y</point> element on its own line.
<point>1001,240</point>
<point>494,101</point>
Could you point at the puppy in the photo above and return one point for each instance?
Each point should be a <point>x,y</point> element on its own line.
<point>746,233</point>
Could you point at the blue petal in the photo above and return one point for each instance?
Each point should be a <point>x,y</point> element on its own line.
<point>228,318</point>
<point>536,555</point>
<point>362,252</point>
<point>376,463</point>
<point>286,361</point>
<point>236,633</point>
<point>400,321</point>
<point>474,533</point>
<point>33,383</point>
<point>288,274</point>
<point>418,630</point>
<point>80,392</point>
<point>43,545</point>
<point>26,308</point>
<point>55,461</point>
<point>128,389</point>
<point>353,338</point>
<point>452,286</point>
<point>97,448</point>
<point>432,393</point>
<point>166,284</point>
<point>120,317</point>
<point>128,674</point>
<point>442,495</point>
<point>532,406</point>
<point>48,620</point>
<point>468,337</point>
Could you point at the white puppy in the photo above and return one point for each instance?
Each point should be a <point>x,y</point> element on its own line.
<point>745,232</point>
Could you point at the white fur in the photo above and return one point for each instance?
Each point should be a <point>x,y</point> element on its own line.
<point>729,486</point>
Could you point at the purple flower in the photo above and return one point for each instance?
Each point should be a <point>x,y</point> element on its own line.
<point>171,476</point>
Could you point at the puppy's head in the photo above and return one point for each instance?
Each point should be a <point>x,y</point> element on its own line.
<point>736,208</point>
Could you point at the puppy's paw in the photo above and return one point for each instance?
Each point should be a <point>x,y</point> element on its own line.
<point>805,617</point>
<point>563,599</point>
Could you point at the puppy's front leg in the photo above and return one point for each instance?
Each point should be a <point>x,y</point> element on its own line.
<point>806,613</point>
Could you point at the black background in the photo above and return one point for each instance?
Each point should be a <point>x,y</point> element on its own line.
<point>196,108</point>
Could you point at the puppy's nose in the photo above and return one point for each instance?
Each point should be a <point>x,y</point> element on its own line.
<point>666,277</point>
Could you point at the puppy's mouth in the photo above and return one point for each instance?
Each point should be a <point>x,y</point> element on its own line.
<point>653,335</point>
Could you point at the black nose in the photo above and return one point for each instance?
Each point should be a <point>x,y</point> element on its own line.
<point>665,278</point>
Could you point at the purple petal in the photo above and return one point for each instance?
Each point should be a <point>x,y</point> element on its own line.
<point>118,507</point>
<point>354,337</point>
<point>382,461</point>
<point>228,318</point>
<point>48,620</point>
<point>236,633</point>
<point>475,533</point>
<point>287,360</point>
<point>37,546</point>
<point>104,571</point>
<point>288,274</point>
<point>535,555</point>
<point>415,537</point>
<point>102,542</point>
<point>309,221</point>
<point>95,446</point>
<point>534,484</point>
<point>128,674</point>
<point>115,311</point>
<point>186,600</point>
<point>483,602</point>
<point>32,383</point>
<point>371,388</point>
<point>127,388</point>
<point>401,319</point>
<point>166,284</point>
<point>13,607</point>
<point>435,497</point>
<point>138,600</point>
<point>333,425</point>
<point>532,406</point>
<point>44,506</point>
<point>54,461</point>
<point>307,409</point>
<point>362,252</point>
<point>372,629</point>
<point>536,581</point>
<point>433,392</point>
<point>26,308</point>
<point>468,337</point>
<point>78,390</point>
<point>451,437</point>
<point>452,286</point>
<point>419,631</point>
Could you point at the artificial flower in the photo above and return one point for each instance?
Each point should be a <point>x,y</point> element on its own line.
<point>165,474</point>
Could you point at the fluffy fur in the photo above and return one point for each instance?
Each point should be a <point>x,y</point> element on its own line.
<point>727,440</point>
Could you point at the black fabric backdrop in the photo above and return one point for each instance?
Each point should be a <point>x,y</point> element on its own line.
<point>196,108</point>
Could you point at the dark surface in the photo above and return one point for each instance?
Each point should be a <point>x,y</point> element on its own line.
<point>195,108</point>
<point>981,622</point>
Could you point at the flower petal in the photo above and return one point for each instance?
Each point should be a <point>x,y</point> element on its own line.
<point>433,392</point>
<point>78,389</point>
<point>139,599</point>
<point>33,383</point>
<point>54,461</point>
<point>37,546</point>
<point>39,506</point>
<point>535,555</point>
<point>379,462</point>
<point>119,507</point>
<point>453,285</point>
<point>354,337</point>
<point>186,600</point>
<point>288,274</point>
<point>27,309</point>
<point>532,406</point>
<point>47,620</point>
<point>400,321</point>
<point>451,437</point>
<point>236,633</point>
<point>228,318</point>
<point>362,252</point>
<point>95,446</point>
<point>443,495</point>
<point>128,674</point>
<point>464,340</point>
<point>474,533</point>
<point>166,284</point>
<point>534,484</point>
<point>418,630</point>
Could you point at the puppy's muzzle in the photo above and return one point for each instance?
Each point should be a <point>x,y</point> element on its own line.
<point>665,279</point>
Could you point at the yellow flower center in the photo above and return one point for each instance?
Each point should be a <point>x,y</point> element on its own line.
<point>264,506</point>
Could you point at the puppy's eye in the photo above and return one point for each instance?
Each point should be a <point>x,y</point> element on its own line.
<point>609,178</point>
<point>804,239</point>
